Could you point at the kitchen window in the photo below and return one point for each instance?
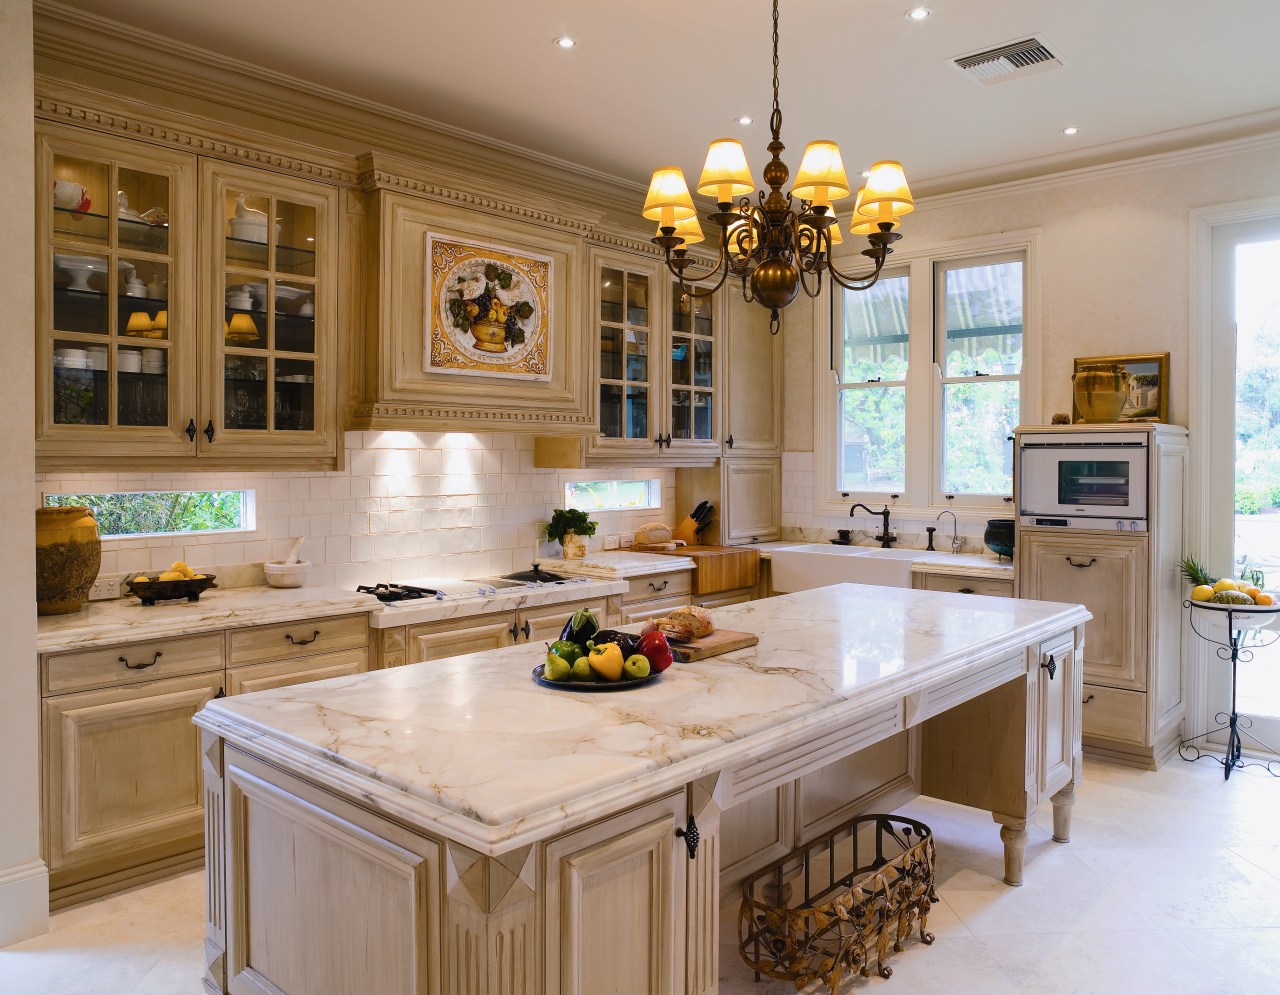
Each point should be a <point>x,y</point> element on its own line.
<point>928,374</point>
<point>613,495</point>
<point>123,514</point>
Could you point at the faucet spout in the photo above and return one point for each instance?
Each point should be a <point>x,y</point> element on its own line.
<point>885,538</point>
<point>956,542</point>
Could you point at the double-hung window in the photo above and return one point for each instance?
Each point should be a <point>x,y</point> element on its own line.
<point>934,366</point>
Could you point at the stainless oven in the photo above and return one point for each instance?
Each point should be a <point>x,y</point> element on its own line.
<point>1083,480</point>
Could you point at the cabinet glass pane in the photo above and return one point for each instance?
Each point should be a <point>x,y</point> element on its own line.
<point>295,239</point>
<point>610,353</point>
<point>245,315</point>
<point>612,288</point>
<point>637,299</point>
<point>80,288</point>
<point>246,241</point>
<point>81,384</point>
<point>142,211</point>
<point>690,314</point>
<point>637,422</point>
<point>702,362</point>
<point>142,386</point>
<point>142,301</point>
<point>81,204</point>
<point>245,392</point>
<point>611,411</point>
<point>681,414</point>
<point>681,362</point>
<point>637,356</point>
<point>295,400</point>
<point>702,409</point>
<point>295,317</point>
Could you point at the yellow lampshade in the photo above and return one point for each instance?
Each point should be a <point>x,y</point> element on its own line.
<point>242,328</point>
<point>886,193</point>
<point>725,174</point>
<point>863,224</point>
<point>834,230</point>
<point>160,321</point>
<point>689,230</point>
<point>821,178</point>
<point>668,200</point>
<point>139,323</point>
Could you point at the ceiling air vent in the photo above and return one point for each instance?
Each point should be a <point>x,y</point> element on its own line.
<point>998,65</point>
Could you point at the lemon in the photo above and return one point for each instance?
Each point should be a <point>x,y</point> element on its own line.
<point>1225,585</point>
<point>1202,592</point>
<point>171,575</point>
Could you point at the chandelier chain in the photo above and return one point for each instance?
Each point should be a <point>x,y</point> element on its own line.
<point>775,119</point>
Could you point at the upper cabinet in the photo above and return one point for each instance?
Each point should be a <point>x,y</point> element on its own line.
<point>186,309</point>
<point>754,394</point>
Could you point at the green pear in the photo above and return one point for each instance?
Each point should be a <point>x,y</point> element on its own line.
<point>557,668</point>
<point>581,670</point>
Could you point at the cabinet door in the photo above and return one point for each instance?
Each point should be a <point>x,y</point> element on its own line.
<point>301,670</point>
<point>116,308</point>
<point>752,510</point>
<point>537,625</point>
<point>642,611</point>
<point>694,395</point>
<point>754,381</point>
<point>439,640</point>
<point>122,768</point>
<point>1108,575</point>
<point>269,306</point>
<point>615,912</point>
<point>1057,681</point>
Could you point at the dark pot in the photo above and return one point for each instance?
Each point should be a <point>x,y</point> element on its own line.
<point>999,536</point>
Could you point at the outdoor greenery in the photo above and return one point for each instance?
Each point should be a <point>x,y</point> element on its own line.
<point>158,512</point>
<point>608,495</point>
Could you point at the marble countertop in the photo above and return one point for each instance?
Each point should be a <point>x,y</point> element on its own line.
<point>124,620</point>
<point>503,600</point>
<point>623,563</point>
<point>471,748</point>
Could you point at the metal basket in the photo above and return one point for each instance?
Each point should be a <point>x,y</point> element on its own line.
<point>859,890</point>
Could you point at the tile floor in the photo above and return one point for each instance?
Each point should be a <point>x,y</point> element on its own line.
<point>1170,885</point>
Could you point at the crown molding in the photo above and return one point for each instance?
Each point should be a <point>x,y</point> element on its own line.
<point>443,417</point>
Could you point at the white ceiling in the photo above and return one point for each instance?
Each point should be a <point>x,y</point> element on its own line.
<point>649,83</point>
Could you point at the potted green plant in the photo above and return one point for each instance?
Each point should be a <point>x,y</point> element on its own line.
<point>570,528</point>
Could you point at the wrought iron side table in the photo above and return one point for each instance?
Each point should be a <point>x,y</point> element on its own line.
<point>1239,624</point>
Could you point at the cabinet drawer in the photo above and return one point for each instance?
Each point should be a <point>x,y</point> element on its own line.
<point>642,611</point>
<point>966,585</point>
<point>285,673</point>
<point>1110,713</point>
<point>658,586</point>
<point>132,662</point>
<point>312,635</point>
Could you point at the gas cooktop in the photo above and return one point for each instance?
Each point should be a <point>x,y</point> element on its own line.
<point>391,593</point>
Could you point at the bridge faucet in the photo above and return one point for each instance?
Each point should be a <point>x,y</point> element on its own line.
<point>957,543</point>
<point>884,538</point>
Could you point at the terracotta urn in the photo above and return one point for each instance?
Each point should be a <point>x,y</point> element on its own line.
<point>68,556</point>
<point>574,546</point>
<point>1100,391</point>
<point>490,336</point>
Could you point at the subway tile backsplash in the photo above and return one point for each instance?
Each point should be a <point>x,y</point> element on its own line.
<point>408,504</point>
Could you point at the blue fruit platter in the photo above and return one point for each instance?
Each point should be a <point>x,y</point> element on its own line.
<point>592,687</point>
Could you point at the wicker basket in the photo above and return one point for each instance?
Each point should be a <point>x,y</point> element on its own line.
<point>859,890</point>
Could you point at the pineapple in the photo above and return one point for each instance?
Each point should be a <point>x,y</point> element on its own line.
<point>1193,570</point>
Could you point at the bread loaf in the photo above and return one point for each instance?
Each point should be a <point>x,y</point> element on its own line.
<point>652,534</point>
<point>697,619</point>
<point>678,632</point>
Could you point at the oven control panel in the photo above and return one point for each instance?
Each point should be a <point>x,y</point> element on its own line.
<point>1091,524</point>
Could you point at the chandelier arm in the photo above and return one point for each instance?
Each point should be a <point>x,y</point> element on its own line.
<point>863,281</point>
<point>703,291</point>
<point>804,283</point>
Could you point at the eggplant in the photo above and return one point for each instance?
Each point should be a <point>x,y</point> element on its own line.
<point>626,641</point>
<point>581,627</point>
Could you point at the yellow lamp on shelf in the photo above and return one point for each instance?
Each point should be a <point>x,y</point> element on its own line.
<point>159,325</point>
<point>821,178</point>
<point>668,200</point>
<point>139,323</point>
<point>689,230</point>
<point>886,194</point>
<point>725,174</point>
<point>242,328</point>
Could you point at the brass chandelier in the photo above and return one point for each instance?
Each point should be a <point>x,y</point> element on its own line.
<point>776,247</point>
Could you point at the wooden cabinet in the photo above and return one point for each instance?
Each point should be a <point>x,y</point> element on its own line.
<point>296,670</point>
<point>959,584</point>
<point>1058,680</point>
<point>754,396</point>
<point>440,640</point>
<point>175,326</point>
<point>653,595</point>
<point>544,624</point>
<point>624,876</point>
<point>751,505</point>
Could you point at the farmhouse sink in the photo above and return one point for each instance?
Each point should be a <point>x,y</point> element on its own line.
<point>800,568</point>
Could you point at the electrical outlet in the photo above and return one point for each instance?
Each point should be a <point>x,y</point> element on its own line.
<point>628,539</point>
<point>610,542</point>
<point>105,589</point>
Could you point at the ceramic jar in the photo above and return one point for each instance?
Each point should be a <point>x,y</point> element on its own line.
<point>1100,391</point>
<point>999,536</point>
<point>574,546</point>
<point>68,556</point>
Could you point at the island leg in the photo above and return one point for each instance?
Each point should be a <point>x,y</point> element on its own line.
<point>1062,803</point>
<point>1013,833</point>
<point>215,927</point>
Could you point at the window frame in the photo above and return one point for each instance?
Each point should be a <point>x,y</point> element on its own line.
<point>922,496</point>
<point>248,512</point>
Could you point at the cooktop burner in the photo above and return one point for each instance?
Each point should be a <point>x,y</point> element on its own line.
<point>537,575</point>
<point>387,593</point>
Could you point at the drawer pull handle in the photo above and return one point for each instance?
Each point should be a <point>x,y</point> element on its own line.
<point>142,666</point>
<point>222,693</point>
<point>658,587</point>
<point>515,632</point>
<point>966,590</point>
<point>527,629</point>
<point>1081,566</point>
<point>1050,665</point>
<point>691,836</point>
<point>303,642</point>
<point>1087,700</point>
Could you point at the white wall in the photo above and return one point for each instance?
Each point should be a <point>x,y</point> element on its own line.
<point>409,504</point>
<point>1114,258</point>
<point>24,884</point>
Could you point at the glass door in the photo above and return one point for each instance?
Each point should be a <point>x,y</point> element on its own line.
<point>273,314</point>
<point>625,309</point>
<point>695,334</point>
<point>117,316</point>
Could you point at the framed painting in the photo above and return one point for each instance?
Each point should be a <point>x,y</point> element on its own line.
<point>1143,378</point>
<point>488,310</point>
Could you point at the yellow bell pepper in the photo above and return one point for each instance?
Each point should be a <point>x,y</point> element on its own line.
<point>606,660</point>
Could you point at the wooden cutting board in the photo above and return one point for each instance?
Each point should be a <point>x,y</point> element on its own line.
<point>720,641</point>
<point>721,568</point>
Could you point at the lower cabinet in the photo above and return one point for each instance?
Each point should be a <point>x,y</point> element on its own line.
<point>440,640</point>
<point>957,584</point>
<point>622,877</point>
<point>296,670</point>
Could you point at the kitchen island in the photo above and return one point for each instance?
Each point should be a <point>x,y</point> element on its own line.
<point>453,827</point>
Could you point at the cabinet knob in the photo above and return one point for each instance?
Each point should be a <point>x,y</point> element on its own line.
<point>527,629</point>
<point>208,430</point>
<point>667,441</point>
<point>1050,665</point>
<point>691,836</point>
<point>1082,566</point>
<point>191,430</point>
<point>966,590</point>
<point>142,666</point>
<point>729,442</point>
<point>222,693</point>
<point>304,642</point>
<point>515,632</point>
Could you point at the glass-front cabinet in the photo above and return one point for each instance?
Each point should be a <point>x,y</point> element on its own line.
<point>696,333</point>
<point>115,346</point>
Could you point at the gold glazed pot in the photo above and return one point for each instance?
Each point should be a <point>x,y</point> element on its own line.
<point>574,546</point>
<point>1100,391</point>
<point>68,556</point>
<point>490,336</point>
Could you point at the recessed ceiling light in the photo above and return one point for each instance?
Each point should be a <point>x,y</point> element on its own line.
<point>1070,131</point>
<point>919,13</point>
<point>866,173</point>
<point>745,119</point>
<point>564,41</point>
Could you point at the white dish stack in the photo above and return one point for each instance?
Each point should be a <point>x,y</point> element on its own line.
<point>153,361</point>
<point>71,359</point>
